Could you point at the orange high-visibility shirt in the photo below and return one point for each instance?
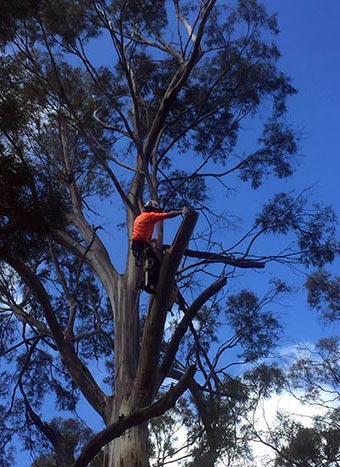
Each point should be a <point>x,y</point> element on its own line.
<point>144,224</point>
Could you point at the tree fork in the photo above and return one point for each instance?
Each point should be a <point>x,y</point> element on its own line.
<point>135,418</point>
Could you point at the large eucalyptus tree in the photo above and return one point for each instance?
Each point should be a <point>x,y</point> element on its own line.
<point>121,101</point>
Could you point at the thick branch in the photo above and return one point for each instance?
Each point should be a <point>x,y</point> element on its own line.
<point>135,418</point>
<point>77,370</point>
<point>201,404</point>
<point>20,314</point>
<point>181,329</point>
<point>209,458</point>
<point>95,257</point>
<point>101,258</point>
<point>44,427</point>
<point>177,83</point>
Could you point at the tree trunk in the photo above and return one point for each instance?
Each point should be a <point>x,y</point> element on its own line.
<point>129,450</point>
<point>135,389</point>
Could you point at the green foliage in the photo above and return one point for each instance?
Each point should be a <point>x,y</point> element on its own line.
<point>72,435</point>
<point>16,106</point>
<point>182,189</point>
<point>307,446</point>
<point>279,145</point>
<point>315,229</point>
<point>146,17</point>
<point>317,369</point>
<point>220,415</point>
<point>324,294</point>
<point>265,378</point>
<point>164,433</point>
<point>69,20</point>
<point>12,13</point>
<point>258,330</point>
<point>303,448</point>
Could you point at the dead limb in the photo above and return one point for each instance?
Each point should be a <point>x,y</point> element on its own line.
<point>223,258</point>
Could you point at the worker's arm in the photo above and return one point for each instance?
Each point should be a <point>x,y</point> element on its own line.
<point>154,217</point>
<point>174,213</point>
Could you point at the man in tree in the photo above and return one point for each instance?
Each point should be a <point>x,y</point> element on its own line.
<point>141,241</point>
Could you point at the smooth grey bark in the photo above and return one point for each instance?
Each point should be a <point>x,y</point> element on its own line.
<point>137,367</point>
<point>136,418</point>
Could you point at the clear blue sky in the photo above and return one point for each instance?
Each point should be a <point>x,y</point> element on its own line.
<point>309,42</point>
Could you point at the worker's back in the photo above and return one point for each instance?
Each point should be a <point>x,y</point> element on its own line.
<point>144,224</point>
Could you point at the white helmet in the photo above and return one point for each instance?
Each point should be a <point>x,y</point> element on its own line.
<point>151,205</point>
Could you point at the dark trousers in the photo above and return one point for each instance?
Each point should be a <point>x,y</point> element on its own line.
<point>139,248</point>
<point>145,255</point>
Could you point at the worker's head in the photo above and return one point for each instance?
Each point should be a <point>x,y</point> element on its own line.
<point>151,206</point>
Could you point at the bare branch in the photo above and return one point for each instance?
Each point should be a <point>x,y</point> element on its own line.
<point>222,258</point>
<point>112,128</point>
<point>185,23</point>
<point>179,79</point>
<point>44,427</point>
